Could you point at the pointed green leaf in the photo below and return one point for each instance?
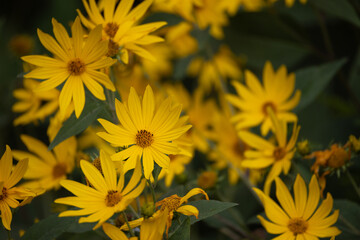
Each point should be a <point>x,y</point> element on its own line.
<point>312,81</point>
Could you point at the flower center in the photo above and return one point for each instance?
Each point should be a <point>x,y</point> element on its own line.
<point>3,194</point>
<point>172,157</point>
<point>97,164</point>
<point>111,29</point>
<point>297,226</point>
<point>76,66</point>
<point>144,138</point>
<point>59,170</point>
<point>113,48</point>
<point>113,198</point>
<point>268,105</point>
<point>171,203</point>
<point>279,153</point>
<point>239,148</point>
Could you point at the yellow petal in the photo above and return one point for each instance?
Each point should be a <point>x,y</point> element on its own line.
<point>62,37</point>
<point>50,44</point>
<point>113,232</point>
<point>17,173</point>
<point>300,195</point>
<point>193,192</point>
<point>313,197</point>
<point>6,165</point>
<point>6,215</point>
<point>135,109</point>
<point>188,210</point>
<point>78,94</point>
<point>272,210</point>
<point>94,176</point>
<point>285,198</point>
<point>108,169</point>
<point>272,227</point>
<point>148,106</point>
<point>77,37</point>
<point>148,163</point>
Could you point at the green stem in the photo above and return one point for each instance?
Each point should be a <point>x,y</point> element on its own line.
<point>133,211</point>
<point>128,224</point>
<point>152,191</point>
<point>353,183</point>
<point>9,234</point>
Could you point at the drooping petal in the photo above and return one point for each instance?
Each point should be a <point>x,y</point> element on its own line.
<point>193,192</point>
<point>113,232</point>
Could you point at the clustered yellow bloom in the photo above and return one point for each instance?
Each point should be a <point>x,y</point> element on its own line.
<point>148,131</point>
<point>9,194</point>
<point>107,194</point>
<point>146,137</point>
<point>299,219</point>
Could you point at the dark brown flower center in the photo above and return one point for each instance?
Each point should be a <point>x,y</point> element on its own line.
<point>113,198</point>
<point>279,153</point>
<point>3,194</point>
<point>111,29</point>
<point>59,170</point>
<point>113,48</point>
<point>268,105</point>
<point>144,138</point>
<point>76,66</point>
<point>297,226</point>
<point>171,203</point>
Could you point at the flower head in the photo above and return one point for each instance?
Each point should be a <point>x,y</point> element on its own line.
<point>106,197</point>
<point>76,62</point>
<point>266,153</point>
<point>299,219</point>
<point>255,100</point>
<point>165,214</point>
<point>149,132</point>
<point>120,26</point>
<point>46,169</point>
<point>34,105</point>
<point>9,194</point>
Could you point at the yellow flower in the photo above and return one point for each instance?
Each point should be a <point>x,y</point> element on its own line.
<point>167,206</point>
<point>107,197</point>
<point>255,99</point>
<point>34,105</point>
<point>175,203</point>
<point>207,179</point>
<point>46,168</point>
<point>148,132</point>
<point>266,153</point>
<point>9,195</point>
<point>75,61</point>
<point>120,26</point>
<point>21,44</point>
<point>299,220</point>
<point>223,65</point>
<point>180,39</point>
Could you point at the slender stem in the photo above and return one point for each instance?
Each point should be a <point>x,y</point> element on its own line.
<point>133,211</point>
<point>353,183</point>
<point>128,224</point>
<point>152,191</point>
<point>9,234</point>
<point>325,34</point>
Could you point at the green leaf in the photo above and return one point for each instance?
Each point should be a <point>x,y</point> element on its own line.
<point>182,232</point>
<point>339,8</point>
<point>312,80</point>
<point>74,126</point>
<point>53,226</point>
<point>349,218</point>
<point>354,75</point>
<point>258,49</point>
<point>208,208</point>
